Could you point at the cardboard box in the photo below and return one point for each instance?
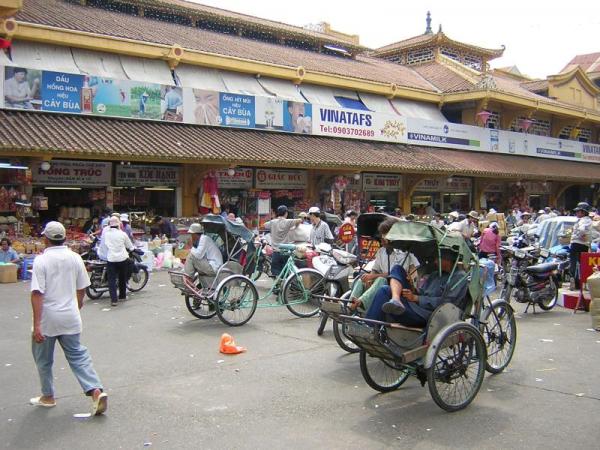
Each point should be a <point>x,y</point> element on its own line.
<point>8,273</point>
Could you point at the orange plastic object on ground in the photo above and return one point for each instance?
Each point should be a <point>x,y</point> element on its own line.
<point>228,346</point>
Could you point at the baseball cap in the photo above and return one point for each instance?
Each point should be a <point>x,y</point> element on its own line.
<point>124,217</point>
<point>114,222</point>
<point>54,231</point>
<point>281,210</point>
<point>196,228</point>
<point>314,210</point>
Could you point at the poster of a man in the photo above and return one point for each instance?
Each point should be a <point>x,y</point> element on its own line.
<point>298,118</point>
<point>172,103</point>
<point>21,88</point>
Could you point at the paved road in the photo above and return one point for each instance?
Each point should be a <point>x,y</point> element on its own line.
<point>169,387</point>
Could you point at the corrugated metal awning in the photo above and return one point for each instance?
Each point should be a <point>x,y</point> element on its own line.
<point>378,103</point>
<point>319,95</point>
<point>281,88</point>
<point>147,70</point>
<point>39,56</point>
<point>106,65</point>
<point>240,83</point>
<point>418,110</point>
<point>199,78</point>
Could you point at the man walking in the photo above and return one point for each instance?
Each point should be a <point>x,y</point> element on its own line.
<point>58,285</point>
<point>279,229</point>
<point>117,243</point>
<point>319,231</point>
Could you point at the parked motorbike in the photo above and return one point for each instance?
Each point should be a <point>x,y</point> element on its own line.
<point>97,270</point>
<point>259,259</point>
<point>535,284</point>
<point>558,254</point>
<point>92,253</point>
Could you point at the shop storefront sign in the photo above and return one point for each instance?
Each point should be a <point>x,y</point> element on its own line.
<point>72,173</point>
<point>241,179</point>
<point>536,187</point>
<point>494,187</point>
<point>381,182</point>
<point>447,135</point>
<point>455,184</point>
<point>358,124</point>
<point>280,179</point>
<point>147,175</point>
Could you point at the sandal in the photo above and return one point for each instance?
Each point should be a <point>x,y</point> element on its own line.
<point>100,404</point>
<point>37,401</point>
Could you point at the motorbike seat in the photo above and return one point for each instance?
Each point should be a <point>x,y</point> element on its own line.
<point>542,268</point>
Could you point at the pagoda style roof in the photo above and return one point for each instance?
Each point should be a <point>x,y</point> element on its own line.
<point>589,63</point>
<point>435,39</point>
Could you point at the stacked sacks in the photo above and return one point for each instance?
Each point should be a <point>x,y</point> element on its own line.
<point>593,283</point>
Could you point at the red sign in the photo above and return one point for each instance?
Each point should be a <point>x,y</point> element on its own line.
<point>587,262</point>
<point>346,233</point>
<point>368,247</point>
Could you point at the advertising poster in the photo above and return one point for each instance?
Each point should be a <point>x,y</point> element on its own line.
<point>358,124</point>
<point>201,107</point>
<point>237,110</point>
<point>297,117</point>
<point>171,103</point>
<point>557,148</point>
<point>22,88</point>
<point>446,134</point>
<point>269,113</point>
<point>61,92</point>
<point>590,152</point>
<point>110,97</point>
<point>145,100</point>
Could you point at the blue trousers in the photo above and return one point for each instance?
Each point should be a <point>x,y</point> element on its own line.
<point>77,355</point>
<point>409,318</point>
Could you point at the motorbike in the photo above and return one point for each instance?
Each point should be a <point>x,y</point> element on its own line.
<point>138,277</point>
<point>533,284</point>
<point>259,259</point>
<point>336,266</point>
<point>92,253</point>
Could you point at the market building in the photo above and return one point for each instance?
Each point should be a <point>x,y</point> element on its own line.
<point>157,107</point>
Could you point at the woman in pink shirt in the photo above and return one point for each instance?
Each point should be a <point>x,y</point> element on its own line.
<point>490,242</point>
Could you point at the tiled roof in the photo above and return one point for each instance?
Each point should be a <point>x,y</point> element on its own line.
<point>435,39</point>
<point>535,86</point>
<point>588,63</point>
<point>442,77</point>
<point>32,133</point>
<point>69,16</point>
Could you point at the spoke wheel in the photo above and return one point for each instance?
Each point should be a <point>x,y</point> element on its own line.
<point>499,330</point>
<point>458,367</point>
<point>550,303</point>
<point>138,280</point>
<point>300,289</point>
<point>339,332</point>
<point>381,375</point>
<point>236,300</point>
<point>93,293</point>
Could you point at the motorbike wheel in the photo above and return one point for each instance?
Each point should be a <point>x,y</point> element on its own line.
<point>92,293</point>
<point>550,303</point>
<point>138,280</point>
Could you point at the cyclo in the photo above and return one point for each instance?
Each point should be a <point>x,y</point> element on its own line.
<point>459,342</point>
<point>232,296</point>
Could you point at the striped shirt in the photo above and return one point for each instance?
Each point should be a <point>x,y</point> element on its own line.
<point>319,233</point>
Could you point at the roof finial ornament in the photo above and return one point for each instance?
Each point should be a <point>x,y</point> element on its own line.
<point>428,20</point>
<point>440,29</point>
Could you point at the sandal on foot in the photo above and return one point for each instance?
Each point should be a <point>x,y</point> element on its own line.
<point>37,401</point>
<point>100,404</point>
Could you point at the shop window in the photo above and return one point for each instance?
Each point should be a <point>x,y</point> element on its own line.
<point>420,56</point>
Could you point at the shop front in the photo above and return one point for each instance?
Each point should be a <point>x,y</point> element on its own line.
<point>494,197</point>
<point>442,194</point>
<point>71,191</point>
<point>276,187</point>
<point>235,186</point>
<point>15,197</point>
<point>151,189</point>
<point>382,190</point>
<point>533,195</point>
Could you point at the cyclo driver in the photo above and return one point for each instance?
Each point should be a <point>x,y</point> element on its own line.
<point>205,257</point>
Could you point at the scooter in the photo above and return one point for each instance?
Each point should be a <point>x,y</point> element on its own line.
<point>99,277</point>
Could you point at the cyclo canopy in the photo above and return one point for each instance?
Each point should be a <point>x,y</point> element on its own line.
<point>426,242</point>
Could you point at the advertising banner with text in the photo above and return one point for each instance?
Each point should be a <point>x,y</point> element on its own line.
<point>280,179</point>
<point>72,173</point>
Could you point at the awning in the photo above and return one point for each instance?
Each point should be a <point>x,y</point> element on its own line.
<point>378,104</point>
<point>240,83</point>
<point>4,59</point>
<point>319,95</point>
<point>35,133</point>
<point>350,103</point>
<point>281,88</point>
<point>106,65</point>
<point>199,78</point>
<point>418,110</point>
<point>148,70</point>
<point>34,55</point>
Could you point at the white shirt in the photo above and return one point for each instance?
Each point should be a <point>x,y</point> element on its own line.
<point>58,273</point>
<point>582,231</point>
<point>117,243</point>
<point>381,264</point>
<point>464,227</point>
<point>208,249</point>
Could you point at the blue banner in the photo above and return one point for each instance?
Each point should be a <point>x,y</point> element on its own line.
<point>237,110</point>
<point>61,92</point>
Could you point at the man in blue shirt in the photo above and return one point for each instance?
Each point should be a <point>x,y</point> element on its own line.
<point>413,309</point>
<point>7,253</point>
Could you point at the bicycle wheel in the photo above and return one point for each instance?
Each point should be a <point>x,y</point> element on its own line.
<point>339,332</point>
<point>93,293</point>
<point>499,331</point>
<point>201,308</point>
<point>380,374</point>
<point>458,367</point>
<point>236,300</point>
<point>299,291</point>
<point>138,279</point>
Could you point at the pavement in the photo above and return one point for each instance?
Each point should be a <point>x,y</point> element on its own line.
<point>170,388</point>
